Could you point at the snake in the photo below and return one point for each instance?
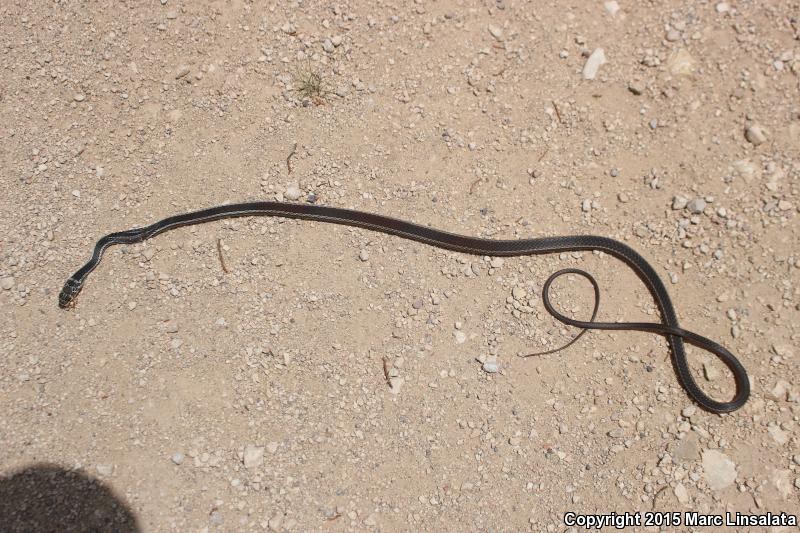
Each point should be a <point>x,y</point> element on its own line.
<point>668,327</point>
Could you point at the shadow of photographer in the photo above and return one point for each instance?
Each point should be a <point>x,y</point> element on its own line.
<point>45,497</point>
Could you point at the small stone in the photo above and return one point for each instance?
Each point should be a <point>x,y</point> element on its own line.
<point>611,7</point>
<point>778,435</point>
<point>497,262</point>
<point>780,478</point>
<point>149,253</point>
<point>755,134</point>
<point>363,255</point>
<point>105,470</point>
<point>679,202</point>
<point>460,336</point>
<point>327,45</point>
<point>496,32</point>
<point>80,97</point>
<point>636,87</point>
<point>681,493</point>
<point>418,303</point>
<point>718,469</point>
<point>689,411</point>
<point>673,35</point>
<point>490,365</point>
<point>253,456</point>
<point>6,283</point>
<point>177,458</point>
<point>182,71</point>
<point>336,40</point>
<point>518,293</point>
<point>696,206</point>
<point>710,372</point>
<point>723,7</point>
<point>681,62</point>
<point>395,384</point>
<point>172,15</point>
<point>292,192</point>
<point>342,91</point>
<point>288,29</point>
<point>592,65</point>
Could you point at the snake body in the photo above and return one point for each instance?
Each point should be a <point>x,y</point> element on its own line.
<point>668,326</point>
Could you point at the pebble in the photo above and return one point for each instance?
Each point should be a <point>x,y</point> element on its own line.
<point>710,372</point>
<point>673,35</point>
<point>611,7</point>
<point>679,202</point>
<point>253,456</point>
<point>778,435</point>
<point>718,469</point>
<point>496,32</point>
<point>755,134</point>
<point>363,255</point>
<point>105,469</point>
<point>592,65</point>
<point>395,384</point>
<point>688,412</point>
<point>681,493</point>
<point>696,206</point>
<point>723,7</point>
<point>182,71</point>
<point>586,205</point>
<point>177,458</point>
<point>780,478</point>
<point>490,365</point>
<point>327,45</point>
<point>461,337</point>
<point>292,193</point>
<point>636,87</point>
<point>681,63</point>
<point>80,97</point>
<point>6,283</point>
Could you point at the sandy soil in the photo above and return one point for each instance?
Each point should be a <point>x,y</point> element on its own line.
<point>193,399</point>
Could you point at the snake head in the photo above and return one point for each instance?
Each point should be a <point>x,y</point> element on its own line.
<point>71,289</point>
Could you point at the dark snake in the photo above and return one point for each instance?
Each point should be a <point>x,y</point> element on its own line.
<point>668,327</point>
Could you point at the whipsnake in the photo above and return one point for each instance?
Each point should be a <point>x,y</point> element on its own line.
<point>668,326</point>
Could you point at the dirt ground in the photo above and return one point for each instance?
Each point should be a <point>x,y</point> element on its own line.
<point>339,379</point>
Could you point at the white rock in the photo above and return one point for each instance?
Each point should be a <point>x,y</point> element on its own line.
<point>723,7</point>
<point>681,493</point>
<point>105,469</point>
<point>679,202</point>
<point>496,32</point>
<point>461,337</point>
<point>395,384</point>
<point>612,7</point>
<point>253,456</point>
<point>592,64</point>
<point>780,478</point>
<point>681,63</point>
<point>292,192</point>
<point>363,255</point>
<point>177,458</point>
<point>778,435</point>
<point>6,283</point>
<point>182,71</point>
<point>491,366</point>
<point>718,469</point>
<point>755,134</point>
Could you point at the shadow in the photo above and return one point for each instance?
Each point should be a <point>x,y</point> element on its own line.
<point>46,497</point>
